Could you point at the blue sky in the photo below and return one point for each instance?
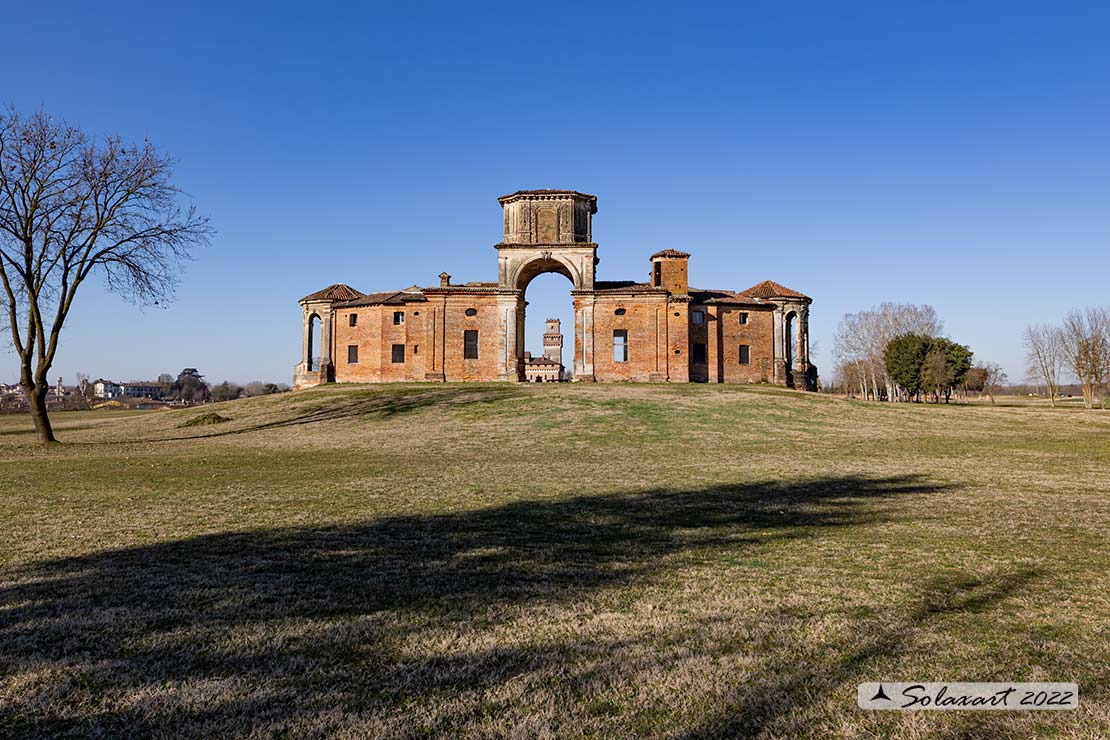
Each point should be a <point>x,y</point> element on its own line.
<point>956,154</point>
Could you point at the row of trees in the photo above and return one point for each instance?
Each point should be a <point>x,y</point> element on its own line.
<point>860,343</point>
<point>895,352</point>
<point>936,365</point>
<point>1079,345</point>
<point>190,386</point>
<point>227,391</point>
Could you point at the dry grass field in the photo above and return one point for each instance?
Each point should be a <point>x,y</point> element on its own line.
<point>550,561</point>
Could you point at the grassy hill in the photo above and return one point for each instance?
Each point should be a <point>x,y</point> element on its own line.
<point>550,561</point>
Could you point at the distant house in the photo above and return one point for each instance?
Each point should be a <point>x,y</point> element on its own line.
<point>106,389</point>
<point>141,390</point>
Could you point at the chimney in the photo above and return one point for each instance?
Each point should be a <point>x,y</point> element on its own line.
<point>444,279</point>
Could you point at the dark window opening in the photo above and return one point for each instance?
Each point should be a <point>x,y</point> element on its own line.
<point>745,354</point>
<point>398,317</point>
<point>620,312</point>
<point>398,353</point>
<point>470,344</point>
<point>698,317</point>
<point>657,274</point>
<point>352,354</point>
<point>699,352</point>
<point>743,317</point>
<point>353,319</point>
<point>471,312</point>
<point>620,345</point>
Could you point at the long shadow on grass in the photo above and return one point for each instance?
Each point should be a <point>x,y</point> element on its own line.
<point>376,404</point>
<point>784,699</point>
<point>273,629</point>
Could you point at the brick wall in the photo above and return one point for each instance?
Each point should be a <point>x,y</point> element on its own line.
<point>758,334</point>
<point>661,335</point>
<point>432,333</point>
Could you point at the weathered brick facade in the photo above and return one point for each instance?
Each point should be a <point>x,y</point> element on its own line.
<point>659,331</point>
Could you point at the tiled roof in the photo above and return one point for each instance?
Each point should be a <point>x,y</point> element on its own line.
<point>670,253</point>
<point>771,289</point>
<point>389,297</point>
<point>337,292</point>
<point>698,295</point>
<point>623,286</point>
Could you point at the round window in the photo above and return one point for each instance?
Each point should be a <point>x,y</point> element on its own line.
<point>619,312</point>
<point>471,312</point>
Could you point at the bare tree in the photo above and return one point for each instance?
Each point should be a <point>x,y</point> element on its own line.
<point>1044,356</point>
<point>993,377</point>
<point>72,207</point>
<point>1086,347</point>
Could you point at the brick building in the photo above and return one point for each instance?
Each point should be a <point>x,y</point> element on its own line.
<point>658,331</point>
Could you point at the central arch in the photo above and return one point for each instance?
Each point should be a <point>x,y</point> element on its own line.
<point>518,267</point>
<point>554,289</point>
<point>545,231</point>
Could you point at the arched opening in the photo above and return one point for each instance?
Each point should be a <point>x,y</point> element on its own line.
<point>790,349</point>
<point>547,325</point>
<point>314,353</point>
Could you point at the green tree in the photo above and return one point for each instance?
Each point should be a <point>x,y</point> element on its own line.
<point>190,386</point>
<point>958,357</point>
<point>904,356</point>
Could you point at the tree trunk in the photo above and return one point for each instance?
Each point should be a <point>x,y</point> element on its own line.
<point>36,396</point>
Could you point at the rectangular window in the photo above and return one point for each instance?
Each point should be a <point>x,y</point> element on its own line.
<point>398,318</point>
<point>657,278</point>
<point>354,319</point>
<point>470,344</point>
<point>699,352</point>
<point>352,354</point>
<point>620,345</point>
<point>743,317</point>
<point>698,317</point>
<point>398,353</point>
<point>745,354</point>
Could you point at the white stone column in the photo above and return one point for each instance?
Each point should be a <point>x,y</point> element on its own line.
<point>584,328</point>
<point>779,327</point>
<point>508,342</point>
<point>803,339</point>
<point>306,337</point>
<point>325,338</point>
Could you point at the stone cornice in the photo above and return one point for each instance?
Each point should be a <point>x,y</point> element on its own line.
<point>462,290</point>
<point>549,195</point>
<point>546,246</point>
